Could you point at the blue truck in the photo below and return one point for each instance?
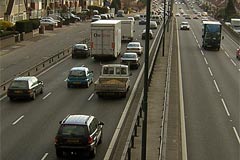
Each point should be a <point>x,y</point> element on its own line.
<point>211,35</point>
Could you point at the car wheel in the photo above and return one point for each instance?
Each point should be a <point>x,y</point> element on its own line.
<point>68,85</point>
<point>93,153</point>
<point>59,153</point>
<point>41,91</point>
<point>33,96</point>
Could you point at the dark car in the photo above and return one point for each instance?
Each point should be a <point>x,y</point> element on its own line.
<point>142,22</point>
<point>80,50</point>
<point>238,54</point>
<point>25,87</point>
<point>79,133</point>
<point>150,34</point>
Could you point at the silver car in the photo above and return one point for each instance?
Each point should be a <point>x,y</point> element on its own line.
<point>135,47</point>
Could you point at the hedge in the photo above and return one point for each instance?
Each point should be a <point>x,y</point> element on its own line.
<point>24,26</point>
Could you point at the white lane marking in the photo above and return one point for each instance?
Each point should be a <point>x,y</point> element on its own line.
<point>216,86</point>
<point>91,96</point>
<point>205,60</point>
<point>47,95</point>
<point>236,134</point>
<point>225,106</point>
<point>210,71</point>
<point>226,54</point>
<point>45,156</point>
<point>15,122</point>
<point>202,52</point>
<point>233,63</point>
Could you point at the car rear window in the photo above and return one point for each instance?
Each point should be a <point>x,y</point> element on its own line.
<point>129,56</point>
<point>78,73</point>
<point>73,130</point>
<point>19,85</point>
<point>133,45</point>
<point>80,47</point>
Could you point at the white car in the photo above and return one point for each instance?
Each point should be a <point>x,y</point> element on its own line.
<point>96,18</point>
<point>48,22</point>
<point>184,26</point>
<point>130,59</point>
<point>153,25</point>
<point>51,18</point>
<point>135,47</point>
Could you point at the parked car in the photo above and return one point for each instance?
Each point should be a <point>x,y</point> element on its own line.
<point>150,34</point>
<point>57,17</point>
<point>96,18</point>
<point>48,22</point>
<point>184,26</point>
<point>142,22</point>
<point>25,87</point>
<point>95,12</point>
<point>104,16</point>
<point>75,17</point>
<point>187,16</point>
<point>137,17</point>
<point>131,18</point>
<point>120,13</point>
<point>51,18</point>
<point>135,47</point>
<point>80,50</point>
<point>153,25</point>
<point>79,133</point>
<point>79,76</point>
<point>156,18</point>
<point>177,14</point>
<point>238,54</point>
<point>130,59</point>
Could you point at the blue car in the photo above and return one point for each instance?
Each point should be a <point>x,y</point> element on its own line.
<point>79,76</point>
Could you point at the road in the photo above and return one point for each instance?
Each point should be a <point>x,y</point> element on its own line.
<point>28,128</point>
<point>211,95</point>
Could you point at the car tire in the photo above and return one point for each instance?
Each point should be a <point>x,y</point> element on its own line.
<point>68,85</point>
<point>93,153</point>
<point>100,140</point>
<point>59,153</point>
<point>33,96</point>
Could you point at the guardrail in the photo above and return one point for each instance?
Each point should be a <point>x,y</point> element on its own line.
<point>36,69</point>
<point>126,155</point>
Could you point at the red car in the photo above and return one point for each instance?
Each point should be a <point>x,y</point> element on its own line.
<point>238,54</point>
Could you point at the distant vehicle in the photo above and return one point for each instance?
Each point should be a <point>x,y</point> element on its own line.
<point>79,76</point>
<point>57,17</point>
<point>187,16</point>
<point>120,13</point>
<point>143,16</point>
<point>177,14</point>
<point>25,87</point>
<point>54,18</point>
<point>204,14</point>
<point>131,18</point>
<point>75,17</point>
<point>153,25</point>
<point>238,54</point>
<point>211,34</point>
<point>106,38</point>
<point>150,34</point>
<point>195,17</point>
<point>95,12</point>
<point>127,30</point>
<point>156,18</point>
<point>204,19</point>
<point>79,133</point>
<point>130,59</point>
<point>104,16</point>
<point>184,26</point>
<point>48,22</point>
<point>135,47</point>
<point>96,18</point>
<point>142,22</point>
<point>113,81</point>
<point>80,50</point>
<point>235,24</point>
<point>51,18</point>
<point>137,17</point>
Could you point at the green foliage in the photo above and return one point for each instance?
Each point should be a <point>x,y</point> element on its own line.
<point>35,23</point>
<point>101,10</point>
<point>230,9</point>
<point>24,26</point>
<point>116,4</point>
<point>4,25</point>
<point>6,33</point>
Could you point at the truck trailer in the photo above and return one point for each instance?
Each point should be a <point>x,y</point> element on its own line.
<point>105,39</point>
<point>211,34</point>
<point>127,30</point>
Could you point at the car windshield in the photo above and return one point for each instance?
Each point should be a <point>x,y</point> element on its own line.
<point>80,47</point>
<point>73,130</point>
<point>184,23</point>
<point>77,73</point>
<point>19,84</point>
<point>133,45</point>
<point>129,56</point>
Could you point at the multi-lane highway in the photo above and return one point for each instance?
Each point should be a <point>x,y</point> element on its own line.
<point>28,128</point>
<point>211,95</point>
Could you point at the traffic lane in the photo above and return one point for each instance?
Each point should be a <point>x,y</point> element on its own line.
<point>209,133</point>
<point>33,53</point>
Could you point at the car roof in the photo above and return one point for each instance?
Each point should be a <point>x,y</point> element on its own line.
<point>79,68</point>
<point>77,119</point>
<point>130,53</point>
<point>80,44</point>
<point>25,78</point>
<point>133,43</point>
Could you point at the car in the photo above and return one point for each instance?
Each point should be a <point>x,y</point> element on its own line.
<point>57,17</point>
<point>95,12</point>
<point>79,76</point>
<point>177,14</point>
<point>195,17</point>
<point>120,13</point>
<point>153,25</point>
<point>142,21</point>
<point>187,16</point>
<point>51,18</point>
<point>80,50</point>
<point>96,18</point>
<point>47,22</point>
<point>204,19</point>
<point>184,26</point>
<point>78,133</point>
<point>150,34</point>
<point>104,16</point>
<point>137,17</point>
<point>130,59</point>
<point>25,87</point>
<point>238,54</point>
<point>75,17</point>
<point>135,47</point>
<point>156,18</point>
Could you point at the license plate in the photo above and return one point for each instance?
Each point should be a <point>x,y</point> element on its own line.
<point>76,82</point>
<point>73,141</point>
<point>17,91</point>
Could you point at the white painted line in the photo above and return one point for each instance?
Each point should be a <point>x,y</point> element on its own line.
<point>47,95</point>
<point>91,96</point>
<point>205,60</point>
<point>236,134</point>
<point>202,52</point>
<point>216,86</point>
<point>209,69</point>
<point>45,156</point>
<point>225,106</point>
<point>233,63</point>
<point>15,122</point>
<point>226,54</point>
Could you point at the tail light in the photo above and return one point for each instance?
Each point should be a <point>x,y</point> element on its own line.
<point>56,140</point>
<point>90,140</point>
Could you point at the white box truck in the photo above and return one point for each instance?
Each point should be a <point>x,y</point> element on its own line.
<point>105,39</point>
<point>127,30</point>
